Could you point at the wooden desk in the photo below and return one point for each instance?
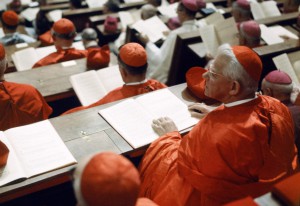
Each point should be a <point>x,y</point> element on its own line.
<point>52,81</point>
<point>284,19</point>
<point>84,132</point>
<point>51,7</point>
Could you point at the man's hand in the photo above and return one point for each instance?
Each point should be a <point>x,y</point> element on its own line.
<point>143,38</point>
<point>163,125</point>
<point>199,110</point>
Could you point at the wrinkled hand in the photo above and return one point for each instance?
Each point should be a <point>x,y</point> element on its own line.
<point>143,38</point>
<point>199,110</point>
<point>163,125</point>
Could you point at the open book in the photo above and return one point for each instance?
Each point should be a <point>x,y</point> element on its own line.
<point>95,3</point>
<point>132,118</point>
<point>129,17</point>
<point>34,149</point>
<point>274,34</point>
<point>168,11</point>
<point>264,9</point>
<point>211,19</point>
<point>283,63</point>
<point>152,27</point>
<point>30,13</point>
<point>219,33</point>
<point>92,85</point>
<point>25,59</point>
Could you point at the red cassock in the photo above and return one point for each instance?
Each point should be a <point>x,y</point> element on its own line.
<point>124,92</point>
<point>46,39</point>
<point>21,104</point>
<point>233,152</point>
<point>98,57</point>
<point>61,56</point>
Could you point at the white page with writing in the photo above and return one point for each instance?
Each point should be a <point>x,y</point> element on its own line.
<point>24,59</point>
<point>214,18</point>
<point>30,13</point>
<point>210,5</point>
<point>281,31</point>
<point>163,103</point>
<point>257,11</point>
<point>12,170</point>
<point>131,121</point>
<point>88,87</point>
<point>95,3</point>
<point>168,10</point>
<point>39,148</point>
<point>269,37</point>
<point>26,2</point>
<point>270,8</point>
<point>55,15</point>
<point>283,63</point>
<point>1,33</point>
<point>227,31</point>
<point>296,66</point>
<point>210,39</point>
<point>110,77</point>
<point>125,18</point>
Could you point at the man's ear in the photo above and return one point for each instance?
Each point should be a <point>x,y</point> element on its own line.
<point>235,88</point>
<point>268,91</point>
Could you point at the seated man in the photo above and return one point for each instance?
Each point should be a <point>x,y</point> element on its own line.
<point>10,22</point>
<point>241,148</point>
<point>133,65</point>
<point>4,151</point>
<point>20,104</point>
<point>159,59</point>
<point>98,57</point>
<point>279,85</point>
<point>241,11</point>
<point>250,34</point>
<point>108,179</point>
<point>63,34</point>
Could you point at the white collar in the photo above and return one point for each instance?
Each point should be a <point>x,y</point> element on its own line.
<point>231,104</point>
<point>136,83</point>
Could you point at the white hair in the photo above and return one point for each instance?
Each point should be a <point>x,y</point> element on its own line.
<point>234,70</point>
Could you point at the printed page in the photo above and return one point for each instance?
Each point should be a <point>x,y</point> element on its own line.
<point>25,58</point>
<point>110,78</point>
<point>227,31</point>
<point>95,3</point>
<point>131,121</point>
<point>283,63</point>
<point>55,15</point>
<point>168,10</point>
<point>44,51</point>
<point>257,11</point>
<point>125,18</point>
<point>1,33</point>
<point>281,31</point>
<point>270,8</point>
<point>269,37</point>
<point>30,13</point>
<point>297,69</point>
<point>163,103</point>
<point>39,148</point>
<point>88,87</point>
<point>214,18</point>
<point>132,1</point>
<point>210,39</point>
<point>12,170</point>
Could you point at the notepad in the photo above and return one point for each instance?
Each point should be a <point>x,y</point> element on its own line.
<point>34,149</point>
<point>132,118</point>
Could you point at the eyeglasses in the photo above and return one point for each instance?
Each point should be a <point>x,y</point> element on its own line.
<point>213,74</point>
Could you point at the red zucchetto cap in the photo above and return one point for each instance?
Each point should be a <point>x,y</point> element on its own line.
<point>4,151</point>
<point>190,5</point>
<point>133,54</point>
<point>98,57</point>
<point>2,52</point>
<point>278,77</point>
<point>201,4</point>
<point>251,28</point>
<point>63,26</point>
<point>244,4</point>
<point>249,60</point>
<point>10,18</point>
<point>109,179</point>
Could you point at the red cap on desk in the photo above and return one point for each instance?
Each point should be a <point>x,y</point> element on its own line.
<point>3,154</point>
<point>249,60</point>
<point>251,28</point>
<point>133,54</point>
<point>2,52</point>
<point>278,77</point>
<point>10,18</point>
<point>190,5</point>
<point>244,4</point>
<point>63,26</point>
<point>109,179</point>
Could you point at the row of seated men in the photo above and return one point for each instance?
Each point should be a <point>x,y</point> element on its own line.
<point>240,149</point>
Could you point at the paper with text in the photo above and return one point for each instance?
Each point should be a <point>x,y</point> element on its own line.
<point>227,31</point>
<point>168,10</point>
<point>269,37</point>
<point>132,118</point>
<point>264,9</point>
<point>283,63</point>
<point>210,39</point>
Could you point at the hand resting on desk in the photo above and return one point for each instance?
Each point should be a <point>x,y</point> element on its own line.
<point>199,110</point>
<point>163,125</point>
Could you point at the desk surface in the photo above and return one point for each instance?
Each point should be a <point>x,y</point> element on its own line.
<point>84,132</point>
<point>53,80</point>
